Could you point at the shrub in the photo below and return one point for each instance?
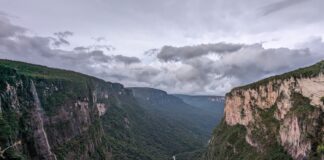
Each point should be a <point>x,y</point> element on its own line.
<point>320,149</point>
<point>322,99</point>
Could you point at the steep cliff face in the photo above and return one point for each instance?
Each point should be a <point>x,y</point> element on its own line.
<point>281,115</point>
<point>53,117</point>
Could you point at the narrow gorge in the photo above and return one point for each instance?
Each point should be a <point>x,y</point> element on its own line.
<point>55,114</point>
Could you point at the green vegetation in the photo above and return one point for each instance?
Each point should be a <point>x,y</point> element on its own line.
<point>242,113</point>
<point>185,118</point>
<point>320,149</point>
<point>266,127</point>
<point>149,135</point>
<point>322,99</point>
<point>229,142</point>
<point>301,105</point>
<point>77,146</point>
<point>193,155</point>
<point>43,72</point>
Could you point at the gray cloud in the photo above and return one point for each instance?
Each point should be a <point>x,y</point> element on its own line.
<point>99,39</point>
<point>210,71</point>
<point>60,41</point>
<point>63,34</point>
<point>277,6</point>
<point>314,44</point>
<point>14,44</point>
<point>106,47</point>
<point>151,52</point>
<point>61,38</point>
<point>7,29</point>
<point>95,47</point>
<point>127,60</point>
<point>81,49</point>
<point>168,53</point>
<point>144,24</point>
<point>98,56</point>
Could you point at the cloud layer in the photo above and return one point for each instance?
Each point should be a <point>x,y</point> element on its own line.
<point>143,24</point>
<point>212,68</point>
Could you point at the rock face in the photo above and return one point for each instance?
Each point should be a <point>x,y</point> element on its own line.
<point>50,115</point>
<point>282,111</point>
<point>276,92</point>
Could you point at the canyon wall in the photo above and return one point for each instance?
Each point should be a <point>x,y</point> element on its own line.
<point>285,112</point>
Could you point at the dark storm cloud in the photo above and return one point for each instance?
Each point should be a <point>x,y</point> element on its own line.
<point>277,6</point>
<point>169,53</point>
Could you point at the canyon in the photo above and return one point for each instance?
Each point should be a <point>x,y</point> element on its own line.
<point>55,114</point>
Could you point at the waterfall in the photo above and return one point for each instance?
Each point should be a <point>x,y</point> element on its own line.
<point>42,146</point>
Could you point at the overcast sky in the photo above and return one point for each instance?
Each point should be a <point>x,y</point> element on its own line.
<point>181,46</point>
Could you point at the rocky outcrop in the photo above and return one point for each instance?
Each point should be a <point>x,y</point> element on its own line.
<point>281,117</point>
<point>242,101</point>
<point>243,106</point>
